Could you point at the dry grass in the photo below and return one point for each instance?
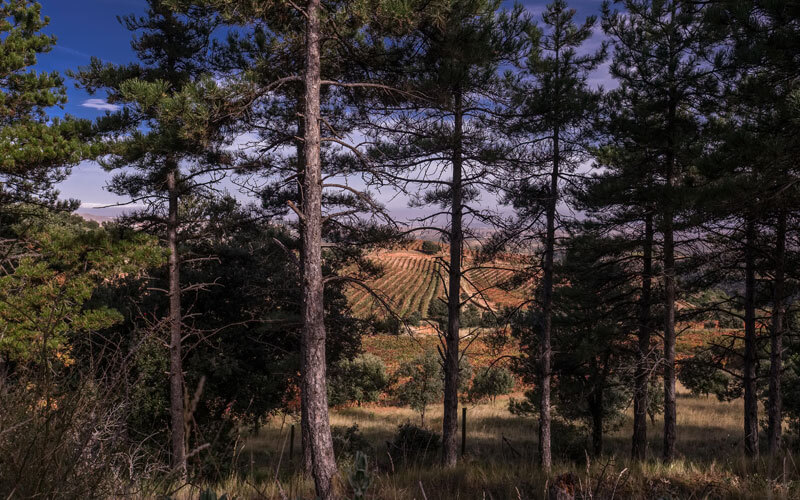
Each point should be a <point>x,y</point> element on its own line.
<point>712,464</point>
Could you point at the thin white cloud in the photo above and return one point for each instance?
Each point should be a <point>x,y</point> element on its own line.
<point>100,104</point>
<point>73,52</point>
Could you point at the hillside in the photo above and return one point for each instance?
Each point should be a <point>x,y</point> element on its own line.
<point>412,279</point>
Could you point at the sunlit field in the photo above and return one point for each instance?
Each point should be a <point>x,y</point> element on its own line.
<point>500,459</point>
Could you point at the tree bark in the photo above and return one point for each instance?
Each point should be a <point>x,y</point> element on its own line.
<point>305,433</point>
<point>774,401</point>
<point>313,389</point>
<point>642,375</point>
<point>176,392</point>
<point>670,403</point>
<point>750,354</point>
<point>450,419</point>
<point>597,424</point>
<point>670,415</point>
<point>545,454</point>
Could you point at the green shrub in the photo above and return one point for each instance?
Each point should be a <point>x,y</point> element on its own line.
<point>359,380</point>
<point>360,479</point>
<point>348,441</point>
<point>414,443</point>
<point>423,381</point>
<point>424,385</point>
<point>390,324</point>
<point>430,247</point>
<point>437,311</point>
<point>471,316</point>
<point>490,383</point>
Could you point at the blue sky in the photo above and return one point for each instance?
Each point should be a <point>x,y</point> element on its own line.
<point>86,28</point>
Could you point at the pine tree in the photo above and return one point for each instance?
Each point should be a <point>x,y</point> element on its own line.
<point>592,318</point>
<point>302,27</point>
<point>170,142</point>
<point>660,55</point>
<point>621,198</point>
<point>439,146</point>
<point>554,113</point>
<point>763,38</point>
<point>36,150</point>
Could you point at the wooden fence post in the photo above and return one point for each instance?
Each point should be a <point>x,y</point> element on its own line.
<point>463,430</point>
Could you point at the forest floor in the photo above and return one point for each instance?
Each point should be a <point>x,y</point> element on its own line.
<point>500,459</point>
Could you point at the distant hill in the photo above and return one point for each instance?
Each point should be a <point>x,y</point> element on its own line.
<point>413,278</point>
<point>95,217</point>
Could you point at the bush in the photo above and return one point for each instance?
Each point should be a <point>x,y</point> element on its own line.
<point>412,442</point>
<point>73,447</point>
<point>424,381</point>
<point>347,441</point>
<point>700,375</point>
<point>471,317</point>
<point>490,383</point>
<point>424,385</point>
<point>359,380</point>
<point>414,319</point>
<point>430,247</point>
<point>470,314</point>
<point>389,324</point>
<point>437,311</point>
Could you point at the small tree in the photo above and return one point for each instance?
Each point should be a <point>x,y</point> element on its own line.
<point>424,384</point>
<point>430,247</point>
<point>489,383</point>
<point>361,379</point>
<point>591,327</point>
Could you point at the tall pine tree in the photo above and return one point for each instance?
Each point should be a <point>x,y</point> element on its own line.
<point>439,148</point>
<point>620,197</point>
<point>169,143</point>
<point>661,55</point>
<point>306,25</point>
<point>550,118</point>
<point>764,41</point>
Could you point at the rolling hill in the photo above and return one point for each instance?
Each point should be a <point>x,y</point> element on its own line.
<point>412,279</point>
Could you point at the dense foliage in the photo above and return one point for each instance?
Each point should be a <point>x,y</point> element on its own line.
<point>648,232</point>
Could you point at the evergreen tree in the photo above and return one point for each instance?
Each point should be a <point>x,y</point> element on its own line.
<point>36,150</point>
<point>763,39</point>
<point>440,149</point>
<point>169,139</point>
<point>593,314</point>
<point>348,25</point>
<point>620,198</point>
<point>554,108</point>
<point>661,54</point>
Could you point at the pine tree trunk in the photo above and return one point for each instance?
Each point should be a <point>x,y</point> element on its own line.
<point>750,354</point>
<point>313,389</point>
<point>305,437</point>
<point>547,309</point>
<point>597,424</point>
<point>642,376</point>
<point>774,402</point>
<point>670,411</point>
<point>176,393</point>
<point>450,419</point>
<point>305,433</point>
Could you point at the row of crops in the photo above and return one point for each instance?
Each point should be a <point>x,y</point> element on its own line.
<point>412,279</point>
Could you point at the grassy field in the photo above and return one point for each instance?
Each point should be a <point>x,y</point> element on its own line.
<point>712,464</point>
<point>501,451</point>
